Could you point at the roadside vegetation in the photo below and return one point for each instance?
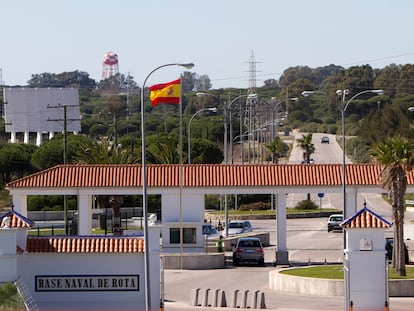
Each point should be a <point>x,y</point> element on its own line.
<point>10,299</point>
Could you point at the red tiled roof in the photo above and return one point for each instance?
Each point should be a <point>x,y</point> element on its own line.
<point>13,219</point>
<point>81,244</point>
<point>203,175</point>
<point>365,218</point>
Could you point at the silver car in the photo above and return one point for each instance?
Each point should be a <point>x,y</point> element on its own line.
<point>247,250</point>
<point>239,226</point>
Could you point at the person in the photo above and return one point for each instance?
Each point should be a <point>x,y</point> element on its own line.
<point>220,244</point>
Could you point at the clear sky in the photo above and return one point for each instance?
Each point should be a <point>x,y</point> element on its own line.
<point>219,36</point>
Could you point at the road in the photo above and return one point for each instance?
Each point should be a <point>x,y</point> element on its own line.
<point>307,241</point>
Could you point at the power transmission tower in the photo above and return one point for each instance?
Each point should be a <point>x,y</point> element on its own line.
<point>252,75</point>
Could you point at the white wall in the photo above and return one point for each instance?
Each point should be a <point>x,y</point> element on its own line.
<point>8,264</point>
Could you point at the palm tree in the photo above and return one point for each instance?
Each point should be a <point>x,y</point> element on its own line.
<point>305,143</point>
<point>276,147</point>
<point>104,152</point>
<point>397,157</point>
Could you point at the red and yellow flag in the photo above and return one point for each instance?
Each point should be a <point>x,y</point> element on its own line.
<point>166,93</point>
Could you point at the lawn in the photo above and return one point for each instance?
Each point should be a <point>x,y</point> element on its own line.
<point>336,272</point>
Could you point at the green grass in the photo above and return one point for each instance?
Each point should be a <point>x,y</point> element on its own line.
<point>336,272</point>
<point>46,232</point>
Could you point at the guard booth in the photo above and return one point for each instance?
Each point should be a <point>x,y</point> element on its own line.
<point>365,264</point>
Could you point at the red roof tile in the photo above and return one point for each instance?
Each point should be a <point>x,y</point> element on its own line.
<point>365,218</point>
<point>203,175</point>
<point>81,244</point>
<point>13,219</point>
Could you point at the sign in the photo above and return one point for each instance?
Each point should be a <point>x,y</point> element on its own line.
<point>320,195</point>
<point>80,283</point>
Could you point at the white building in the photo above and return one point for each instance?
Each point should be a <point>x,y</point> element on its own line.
<point>81,272</point>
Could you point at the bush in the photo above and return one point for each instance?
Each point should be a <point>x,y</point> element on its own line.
<point>257,206</point>
<point>306,205</point>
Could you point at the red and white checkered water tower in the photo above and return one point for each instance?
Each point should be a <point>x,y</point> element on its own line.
<point>109,65</point>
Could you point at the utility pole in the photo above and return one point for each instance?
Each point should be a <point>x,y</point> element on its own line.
<point>65,156</point>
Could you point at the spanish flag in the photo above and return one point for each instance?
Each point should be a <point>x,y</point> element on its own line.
<point>166,93</point>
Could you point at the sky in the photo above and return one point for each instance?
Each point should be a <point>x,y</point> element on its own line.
<point>220,37</point>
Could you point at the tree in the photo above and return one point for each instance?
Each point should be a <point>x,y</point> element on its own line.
<point>397,156</point>
<point>305,143</point>
<point>78,79</point>
<point>276,147</point>
<point>405,83</point>
<point>202,83</point>
<point>205,151</point>
<point>104,152</point>
<point>386,79</point>
<point>187,81</point>
<point>50,153</point>
<point>15,161</point>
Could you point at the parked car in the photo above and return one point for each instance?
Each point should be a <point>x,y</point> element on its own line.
<point>311,161</point>
<point>239,226</point>
<point>248,250</point>
<point>389,245</point>
<point>209,231</point>
<point>334,221</point>
<point>325,140</point>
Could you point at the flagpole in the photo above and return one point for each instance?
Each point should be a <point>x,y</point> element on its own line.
<point>181,171</point>
<point>144,186</point>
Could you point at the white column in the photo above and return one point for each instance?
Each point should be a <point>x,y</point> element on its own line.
<point>51,134</point>
<point>26,137</point>
<point>351,202</point>
<point>13,137</point>
<point>282,256</point>
<point>20,203</point>
<point>154,263</point>
<point>38,139</point>
<point>85,214</point>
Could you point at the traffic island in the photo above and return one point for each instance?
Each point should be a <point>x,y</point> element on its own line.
<point>328,287</point>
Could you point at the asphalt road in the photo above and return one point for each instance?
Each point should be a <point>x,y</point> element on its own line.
<point>307,242</point>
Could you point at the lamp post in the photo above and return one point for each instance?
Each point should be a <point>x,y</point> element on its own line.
<point>344,106</point>
<point>213,109</point>
<point>144,184</point>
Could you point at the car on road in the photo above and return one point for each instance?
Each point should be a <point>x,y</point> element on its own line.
<point>389,245</point>
<point>209,231</point>
<point>334,222</point>
<point>325,140</point>
<point>311,161</point>
<point>239,227</point>
<point>248,250</point>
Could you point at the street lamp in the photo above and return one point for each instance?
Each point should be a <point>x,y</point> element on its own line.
<point>144,185</point>
<point>213,109</point>
<point>226,109</point>
<point>344,106</point>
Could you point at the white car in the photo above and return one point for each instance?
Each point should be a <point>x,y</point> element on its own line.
<point>239,226</point>
<point>334,222</point>
<point>209,231</point>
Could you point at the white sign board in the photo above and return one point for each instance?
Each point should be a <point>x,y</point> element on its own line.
<point>41,109</point>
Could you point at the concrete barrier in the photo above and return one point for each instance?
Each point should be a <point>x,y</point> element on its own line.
<point>328,287</point>
<point>216,298</point>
